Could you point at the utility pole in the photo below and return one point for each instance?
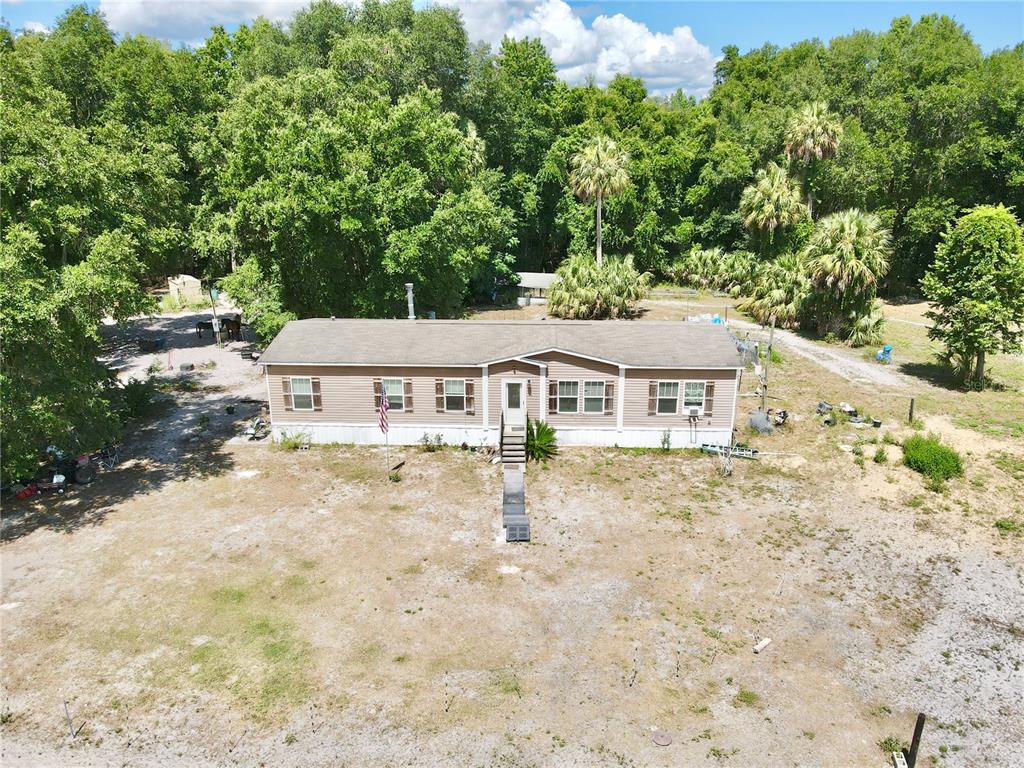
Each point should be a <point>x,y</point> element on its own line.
<point>767,361</point>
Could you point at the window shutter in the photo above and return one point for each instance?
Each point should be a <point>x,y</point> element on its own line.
<point>378,393</point>
<point>318,401</point>
<point>407,395</point>
<point>652,398</point>
<point>286,390</point>
<point>470,399</point>
<point>709,397</point>
<point>439,395</point>
<point>552,396</point>
<point>609,398</point>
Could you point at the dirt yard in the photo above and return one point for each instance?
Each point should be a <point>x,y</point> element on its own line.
<point>236,604</point>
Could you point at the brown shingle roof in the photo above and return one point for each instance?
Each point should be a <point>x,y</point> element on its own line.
<point>473,342</point>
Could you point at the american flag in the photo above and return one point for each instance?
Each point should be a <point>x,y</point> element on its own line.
<point>384,412</point>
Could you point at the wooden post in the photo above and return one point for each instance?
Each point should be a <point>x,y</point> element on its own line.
<point>915,742</point>
<point>910,417</point>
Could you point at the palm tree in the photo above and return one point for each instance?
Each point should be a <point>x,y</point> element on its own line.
<point>585,291</point>
<point>772,201</point>
<point>846,257</point>
<point>812,134</point>
<point>599,171</point>
<point>779,291</point>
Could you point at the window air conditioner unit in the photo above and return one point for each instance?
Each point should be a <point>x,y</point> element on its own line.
<point>694,413</point>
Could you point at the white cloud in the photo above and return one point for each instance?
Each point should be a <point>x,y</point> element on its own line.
<point>36,26</point>
<point>609,46</point>
<point>189,21</point>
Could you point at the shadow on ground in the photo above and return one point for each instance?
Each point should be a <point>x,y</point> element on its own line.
<point>934,373</point>
<point>121,342</point>
<point>184,437</point>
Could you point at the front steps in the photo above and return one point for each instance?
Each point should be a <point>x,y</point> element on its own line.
<point>513,445</point>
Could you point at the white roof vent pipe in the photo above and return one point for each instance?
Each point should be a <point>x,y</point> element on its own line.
<point>408,298</point>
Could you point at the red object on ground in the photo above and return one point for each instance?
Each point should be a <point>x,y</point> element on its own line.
<point>29,490</point>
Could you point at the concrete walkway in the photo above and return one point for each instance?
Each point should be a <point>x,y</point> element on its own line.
<point>513,505</point>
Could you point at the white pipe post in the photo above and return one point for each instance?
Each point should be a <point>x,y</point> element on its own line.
<point>408,298</point>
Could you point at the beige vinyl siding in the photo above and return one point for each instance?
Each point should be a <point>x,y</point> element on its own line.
<point>347,395</point>
<point>637,383</point>
<point>513,369</point>
<point>565,367</point>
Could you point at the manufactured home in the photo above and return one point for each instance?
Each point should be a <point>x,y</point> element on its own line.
<point>622,383</point>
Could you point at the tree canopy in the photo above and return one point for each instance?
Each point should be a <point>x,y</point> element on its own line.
<point>317,166</point>
<point>976,287</point>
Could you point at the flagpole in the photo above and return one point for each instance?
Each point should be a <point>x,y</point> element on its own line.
<point>387,454</point>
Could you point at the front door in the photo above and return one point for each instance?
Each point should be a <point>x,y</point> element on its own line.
<point>515,402</point>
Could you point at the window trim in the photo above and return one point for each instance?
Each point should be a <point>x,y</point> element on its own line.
<point>446,396</point>
<point>682,409</point>
<point>703,397</point>
<point>601,398</point>
<point>401,394</point>
<point>659,398</point>
<point>291,392</point>
<point>559,397</point>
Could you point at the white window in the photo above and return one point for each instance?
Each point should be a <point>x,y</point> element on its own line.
<point>693,395</point>
<point>395,391</point>
<point>593,397</point>
<point>568,397</point>
<point>302,393</point>
<point>668,396</point>
<point>455,394</point>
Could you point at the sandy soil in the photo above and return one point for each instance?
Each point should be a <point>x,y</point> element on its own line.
<point>234,604</point>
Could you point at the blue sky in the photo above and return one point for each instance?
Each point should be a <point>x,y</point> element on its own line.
<point>750,24</point>
<point>668,43</point>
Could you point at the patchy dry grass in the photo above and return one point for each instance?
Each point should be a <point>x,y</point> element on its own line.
<point>312,613</point>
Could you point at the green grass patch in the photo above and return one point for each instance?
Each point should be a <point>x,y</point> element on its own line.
<point>746,698</point>
<point>1008,463</point>
<point>927,455</point>
<point>997,427</point>
<point>506,682</point>
<point>170,304</point>
<point>891,744</point>
<point>1009,525</point>
<point>253,653</point>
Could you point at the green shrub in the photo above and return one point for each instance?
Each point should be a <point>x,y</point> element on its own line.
<point>925,454</point>
<point>778,293</point>
<point>880,455</point>
<point>432,444</point>
<point>541,443</point>
<point>137,397</point>
<point>584,291</point>
<point>293,441</point>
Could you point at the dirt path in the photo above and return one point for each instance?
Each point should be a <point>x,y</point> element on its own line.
<point>842,363</point>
